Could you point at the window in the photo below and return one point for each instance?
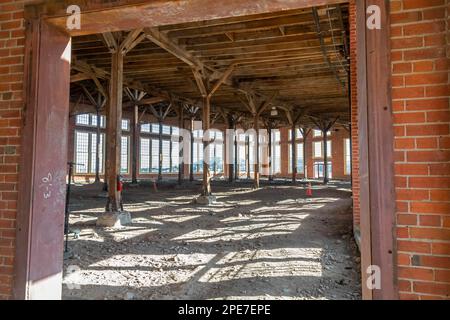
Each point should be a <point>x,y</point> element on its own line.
<point>298,134</point>
<point>175,159</point>
<point>319,171</point>
<point>317,133</point>
<point>81,152</point>
<point>93,166</point>
<point>150,148</point>
<point>124,150</point>
<point>300,162</point>
<point>198,134</point>
<point>144,155</point>
<point>252,153</point>
<point>86,152</point>
<point>125,124</point>
<point>317,148</point>
<point>276,152</point>
<point>198,157</point>
<point>89,120</point>
<point>165,156</point>
<point>347,157</point>
<point>329,153</point>
<point>165,130</point>
<point>82,119</point>
<point>216,151</point>
<point>242,153</point>
<point>94,121</point>
<point>155,156</point>
<point>299,151</point>
<point>145,127</point>
<point>155,128</point>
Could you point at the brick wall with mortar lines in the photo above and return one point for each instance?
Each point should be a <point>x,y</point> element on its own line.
<point>11,105</point>
<point>422,143</point>
<point>420,82</point>
<point>354,114</point>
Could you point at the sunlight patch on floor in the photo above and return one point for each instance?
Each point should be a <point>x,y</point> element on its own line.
<point>273,263</point>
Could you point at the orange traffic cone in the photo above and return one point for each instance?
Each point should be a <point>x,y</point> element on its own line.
<point>309,190</point>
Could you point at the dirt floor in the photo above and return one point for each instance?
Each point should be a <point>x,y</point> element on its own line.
<point>273,243</point>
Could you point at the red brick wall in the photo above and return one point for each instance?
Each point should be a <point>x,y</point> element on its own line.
<point>422,145</point>
<point>422,142</point>
<point>354,114</point>
<point>11,104</point>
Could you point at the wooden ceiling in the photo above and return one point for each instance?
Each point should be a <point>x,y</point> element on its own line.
<point>296,60</point>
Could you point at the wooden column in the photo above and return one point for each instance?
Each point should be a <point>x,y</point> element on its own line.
<point>206,142</point>
<point>180,141</point>
<point>269,128</point>
<point>97,148</point>
<point>256,173</point>
<point>39,239</point>
<point>191,165</point>
<point>160,154</point>
<point>247,155</point>
<point>293,154</point>
<point>376,152</point>
<point>135,145</point>
<point>114,128</point>
<point>232,156</point>
<point>325,156</point>
<point>236,165</point>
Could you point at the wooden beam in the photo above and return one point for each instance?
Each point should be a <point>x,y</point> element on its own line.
<point>324,48</point>
<point>200,82</point>
<point>130,40</point>
<point>100,17</point>
<point>110,41</point>
<point>222,79</point>
<point>161,40</point>
<point>79,77</point>
<point>95,72</point>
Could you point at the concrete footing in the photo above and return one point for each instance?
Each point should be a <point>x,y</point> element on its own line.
<point>114,219</point>
<point>205,200</point>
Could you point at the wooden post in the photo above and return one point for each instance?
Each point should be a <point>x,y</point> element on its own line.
<point>39,240</point>
<point>231,157</point>
<point>97,148</point>
<point>236,166</point>
<point>114,130</point>
<point>160,154</point>
<point>256,173</point>
<point>305,133</point>
<point>247,155</point>
<point>180,141</point>
<point>293,155</point>
<point>191,165</point>
<point>135,145</point>
<point>206,142</point>
<point>325,156</point>
<point>269,128</point>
